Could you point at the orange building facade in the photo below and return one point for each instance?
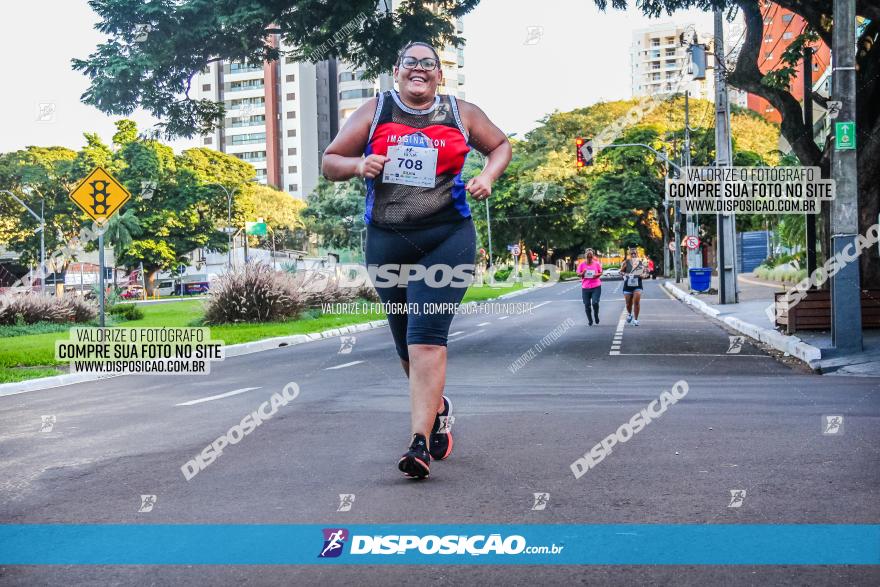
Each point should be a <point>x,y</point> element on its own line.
<point>781,27</point>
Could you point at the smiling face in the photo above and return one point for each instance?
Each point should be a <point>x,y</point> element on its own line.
<point>417,84</point>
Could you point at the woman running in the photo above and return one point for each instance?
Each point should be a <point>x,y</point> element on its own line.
<point>410,147</point>
<point>632,270</point>
<point>591,285</point>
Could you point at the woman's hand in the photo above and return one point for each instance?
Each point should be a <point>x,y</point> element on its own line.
<point>371,166</point>
<point>480,187</point>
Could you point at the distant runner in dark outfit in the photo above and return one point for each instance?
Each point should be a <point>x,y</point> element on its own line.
<point>410,147</point>
<point>632,270</point>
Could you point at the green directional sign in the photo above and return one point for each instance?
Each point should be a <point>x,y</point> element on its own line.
<point>255,228</point>
<point>844,136</point>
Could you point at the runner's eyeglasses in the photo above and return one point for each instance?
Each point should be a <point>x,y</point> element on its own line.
<point>427,63</point>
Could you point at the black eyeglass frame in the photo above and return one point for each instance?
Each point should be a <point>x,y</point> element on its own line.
<point>421,62</point>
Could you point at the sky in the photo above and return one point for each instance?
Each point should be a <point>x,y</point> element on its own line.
<point>577,56</point>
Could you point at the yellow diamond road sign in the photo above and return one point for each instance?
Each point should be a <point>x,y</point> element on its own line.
<point>99,195</point>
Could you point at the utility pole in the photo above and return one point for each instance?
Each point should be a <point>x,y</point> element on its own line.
<point>846,298</point>
<point>694,259</point>
<point>808,120</point>
<point>726,253</point>
<point>676,261</point>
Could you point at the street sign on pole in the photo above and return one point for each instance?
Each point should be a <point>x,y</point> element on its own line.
<point>99,195</point>
<point>844,136</point>
<point>255,228</point>
<point>691,242</point>
<point>672,246</point>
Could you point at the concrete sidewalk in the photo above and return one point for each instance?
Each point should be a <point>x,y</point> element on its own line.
<point>753,316</point>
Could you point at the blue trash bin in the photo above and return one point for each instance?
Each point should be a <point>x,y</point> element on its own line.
<point>701,279</point>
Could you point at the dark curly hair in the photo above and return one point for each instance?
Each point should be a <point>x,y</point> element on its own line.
<point>406,47</point>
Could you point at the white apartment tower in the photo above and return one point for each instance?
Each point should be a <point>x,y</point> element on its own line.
<point>660,61</point>
<point>271,119</point>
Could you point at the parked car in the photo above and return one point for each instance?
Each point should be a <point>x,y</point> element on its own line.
<point>132,292</point>
<point>611,273</point>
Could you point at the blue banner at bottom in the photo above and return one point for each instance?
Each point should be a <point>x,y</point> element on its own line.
<point>597,544</point>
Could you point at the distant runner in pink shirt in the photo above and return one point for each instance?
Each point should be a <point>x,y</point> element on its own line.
<point>591,286</point>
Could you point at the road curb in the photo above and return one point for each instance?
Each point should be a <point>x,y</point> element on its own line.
<point>233,350</point>
<point>792,345</point>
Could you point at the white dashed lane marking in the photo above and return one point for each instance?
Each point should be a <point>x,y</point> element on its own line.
<point>343,365</point>
<point>220,396</point>
<point>618,334</point>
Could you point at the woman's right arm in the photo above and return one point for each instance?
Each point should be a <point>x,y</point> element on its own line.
<point>343,157</point>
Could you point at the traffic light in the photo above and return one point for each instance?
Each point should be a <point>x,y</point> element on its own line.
<point>584,148</point>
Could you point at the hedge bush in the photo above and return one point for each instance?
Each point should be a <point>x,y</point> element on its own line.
<point>126,312</point>
<point>31,308</point>
<point>784,273</point>
<point>256,293</point>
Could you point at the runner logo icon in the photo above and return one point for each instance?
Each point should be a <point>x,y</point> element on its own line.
<point>334,540</point>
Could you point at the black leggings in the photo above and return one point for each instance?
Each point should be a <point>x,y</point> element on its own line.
<point>423,307</point>
<point>589,295</point>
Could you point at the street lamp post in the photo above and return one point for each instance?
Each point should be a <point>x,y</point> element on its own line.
<point>230,230</point>
<point>42,220</point>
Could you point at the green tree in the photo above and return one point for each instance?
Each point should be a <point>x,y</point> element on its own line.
<point>50,170</point>
<point>155,48</point>
<point>335,212</point>
<point>282,213</point>
<point>544,200</point>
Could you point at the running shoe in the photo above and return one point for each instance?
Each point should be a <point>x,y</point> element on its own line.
<point>629,318</point>
<point>415,462</point>
<point>441,434</point>
<point>636,322</point>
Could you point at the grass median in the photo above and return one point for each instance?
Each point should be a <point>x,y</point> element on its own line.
<point>29,356</point>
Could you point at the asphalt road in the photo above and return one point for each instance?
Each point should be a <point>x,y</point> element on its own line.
<point>748,422</point>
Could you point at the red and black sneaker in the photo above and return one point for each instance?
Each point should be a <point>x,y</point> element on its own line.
<point>415,462</point>
<point>440,444</point>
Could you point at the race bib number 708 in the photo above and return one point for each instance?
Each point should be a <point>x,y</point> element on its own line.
<point>408,165</point>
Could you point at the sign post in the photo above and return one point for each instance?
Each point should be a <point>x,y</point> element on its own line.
<point>100,196</point>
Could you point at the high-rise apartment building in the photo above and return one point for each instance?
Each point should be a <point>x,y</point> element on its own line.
<point>272,118</point>
<point>659,62</point>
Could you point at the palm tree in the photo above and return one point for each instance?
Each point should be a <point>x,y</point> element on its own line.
<point>121,230</point>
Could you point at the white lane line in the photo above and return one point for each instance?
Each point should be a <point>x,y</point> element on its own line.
<point>467,335</point>
<point>541,304</point>
<point>504,317</point>
<point>484,324</point>
<point>692,355</point>
<point>342,366</point>
<point>221,396</point>
<point>618,334</point>
<point>457,333</point>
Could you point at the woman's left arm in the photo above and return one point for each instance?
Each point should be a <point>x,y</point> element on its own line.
<point>489,140</point>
